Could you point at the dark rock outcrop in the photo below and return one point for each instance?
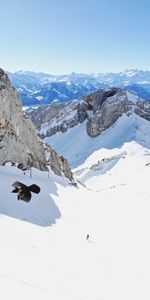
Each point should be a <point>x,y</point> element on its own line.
<point>112,106</point>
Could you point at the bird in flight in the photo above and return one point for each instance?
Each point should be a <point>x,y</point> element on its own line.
<point>23,191</point>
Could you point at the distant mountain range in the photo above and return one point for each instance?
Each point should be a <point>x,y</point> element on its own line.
<point>40,88</point>
<point>84,236</point>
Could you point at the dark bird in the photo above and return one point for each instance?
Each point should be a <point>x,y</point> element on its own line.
<point>23,191</point>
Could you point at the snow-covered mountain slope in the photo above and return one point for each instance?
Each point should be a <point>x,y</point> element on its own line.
<point>58,261</point>
<point>76,145</point>
<point>142,91</point>
<point>41,209</point>
<point>84,241</point>
<point>100,110</point>
<point>111,168</point>
<point>125,78</point>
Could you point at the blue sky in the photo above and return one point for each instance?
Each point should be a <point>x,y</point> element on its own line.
<point>85,36</point>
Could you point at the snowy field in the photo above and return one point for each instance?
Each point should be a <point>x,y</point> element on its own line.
<point>76,145</point>
<point>44,250</point>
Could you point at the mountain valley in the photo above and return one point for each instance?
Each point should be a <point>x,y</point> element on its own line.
<point>85,235</point>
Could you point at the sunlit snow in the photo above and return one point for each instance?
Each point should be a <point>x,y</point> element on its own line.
<point>45,253</point>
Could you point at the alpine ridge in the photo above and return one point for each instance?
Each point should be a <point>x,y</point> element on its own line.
<point>100,110</point>
<point>18,139</point>
<point>62,125</point>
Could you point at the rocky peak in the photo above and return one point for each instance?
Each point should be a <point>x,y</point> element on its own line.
<point>99,110</point>
<point>96,99</point>
<point>18,139</point>
<point>113,104</point>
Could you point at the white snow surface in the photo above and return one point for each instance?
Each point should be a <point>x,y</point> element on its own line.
<point>76,145</point>
<point>44,251</point>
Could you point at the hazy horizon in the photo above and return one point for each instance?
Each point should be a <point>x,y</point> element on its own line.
<point>80,73</point>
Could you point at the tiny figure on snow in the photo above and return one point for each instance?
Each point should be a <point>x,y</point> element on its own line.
<point>87,237</point>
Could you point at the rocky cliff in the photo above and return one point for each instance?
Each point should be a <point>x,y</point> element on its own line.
<point>58,117</point>
<point>108,106</point>
<point>18,139</point>
<point>100,110</point>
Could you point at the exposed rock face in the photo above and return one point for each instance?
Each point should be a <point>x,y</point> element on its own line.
<point>59,117</point>
<point>96,99</point>
<point>112,107</point>
<point>18,139</point>
<point>100,109</point>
